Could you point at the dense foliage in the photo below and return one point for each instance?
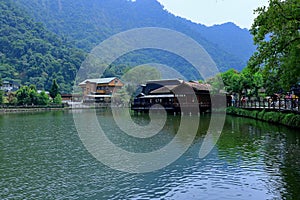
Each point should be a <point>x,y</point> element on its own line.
<point>28,95</point>
<point>57,99</point>
<point>88,22</point>
<point>54,90</point>
<point>1,97</point>
<point>276,33</point>
<point>241,83</point>
<point>289,119</point>
<point>30,54</point>
<point>275,67</point>
<point>1,93</point>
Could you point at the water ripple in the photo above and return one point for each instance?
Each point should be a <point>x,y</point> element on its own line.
<point>42,157</point>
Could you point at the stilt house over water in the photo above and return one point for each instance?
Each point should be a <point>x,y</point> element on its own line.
<point>172,95</point>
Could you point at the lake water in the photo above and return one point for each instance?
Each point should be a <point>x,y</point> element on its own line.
<point>42,157</point>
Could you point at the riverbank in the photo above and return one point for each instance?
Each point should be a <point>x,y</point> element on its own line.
<point>29,109</point>
<point>287,119</point>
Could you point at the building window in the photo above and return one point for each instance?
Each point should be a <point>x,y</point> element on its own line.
<point>102,88</point>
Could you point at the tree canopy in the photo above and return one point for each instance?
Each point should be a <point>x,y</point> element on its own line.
<point>277,36</point>
<point>243,82</point>
<point>30,54</point>
<point>28,95</point>
<point>54,90</point>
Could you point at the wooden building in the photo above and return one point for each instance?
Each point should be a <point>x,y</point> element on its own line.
<point>67,98</point>
<point>173,95</point>
<point>100,90</point>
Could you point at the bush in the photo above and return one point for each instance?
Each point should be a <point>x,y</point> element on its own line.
<point>254,114</point>
<point>290,119</point>
<point>1,97</point>
<point>261,114</point>
<point>57,99</point>
<point>286,120</point>
<point>296,121</point>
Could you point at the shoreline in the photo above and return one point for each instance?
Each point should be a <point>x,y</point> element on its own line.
<point>31,110</point>
<point>279,118</point>
<point>287,119</point>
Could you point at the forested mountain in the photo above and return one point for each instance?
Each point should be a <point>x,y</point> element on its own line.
<point>230,38</point>
<point>43,40</point>
<point>30,54</point>
<point>88,22</point>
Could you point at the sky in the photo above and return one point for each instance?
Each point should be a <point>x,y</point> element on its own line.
<point>210,12</point>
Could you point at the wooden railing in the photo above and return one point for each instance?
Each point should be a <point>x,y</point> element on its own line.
<point>288,104</point>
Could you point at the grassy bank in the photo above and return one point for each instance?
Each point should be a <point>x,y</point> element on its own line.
<point>288,119</point>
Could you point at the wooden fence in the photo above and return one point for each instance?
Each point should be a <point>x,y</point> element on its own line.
<point>283,104</point>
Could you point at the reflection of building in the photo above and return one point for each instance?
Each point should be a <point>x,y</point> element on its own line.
<point>9,86</point>
<point>173,95</point>
<point>100,90</point>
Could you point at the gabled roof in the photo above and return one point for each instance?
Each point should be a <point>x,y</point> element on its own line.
<point>199,86</point>
<point>163,90</point>
<point>171,88</point>
<point>98,80</point>
<point>164,82</point>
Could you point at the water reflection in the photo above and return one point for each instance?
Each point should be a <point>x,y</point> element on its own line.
<point>42,157</point>
<point>271,150</point>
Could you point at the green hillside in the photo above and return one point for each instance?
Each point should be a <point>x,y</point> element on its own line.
<point>88,22</point>
<point>42,40</point>
<point>30,54</point>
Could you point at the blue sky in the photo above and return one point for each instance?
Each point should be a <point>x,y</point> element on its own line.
<point>210,12</point>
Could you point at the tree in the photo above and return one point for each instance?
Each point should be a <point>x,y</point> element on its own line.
<point>28,95</point>
<point>57,99</point>
<point>121,96</point>
<point>43,98</point>
<point>232,81</point>
<point>12,99</point>
<point>1,92</point>
<point>217,84</point>
<point>1,97</point>
<point>276,34</point>
<point>54,90</point>
<point>33,95</point>
<point>22,95</point>
<point>244,82</point>
<point>141,74</point>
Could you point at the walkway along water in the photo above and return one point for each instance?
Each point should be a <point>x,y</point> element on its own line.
<point>289,105</point>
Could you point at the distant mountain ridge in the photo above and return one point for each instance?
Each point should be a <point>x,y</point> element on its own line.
<point>43,40</point>
<point>238,41</point>
<point>88,22</point>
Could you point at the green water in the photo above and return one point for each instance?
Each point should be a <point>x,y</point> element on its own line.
<point>42,157</point>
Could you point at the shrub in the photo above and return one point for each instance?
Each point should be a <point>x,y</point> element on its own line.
<point>1,96</point>
<point>261,114</point>
<point>290,119</point>
<point>287,119</point>
<point>57,99</point>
